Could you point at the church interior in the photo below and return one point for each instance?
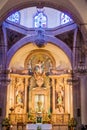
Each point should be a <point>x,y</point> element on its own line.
<point>43,64</point>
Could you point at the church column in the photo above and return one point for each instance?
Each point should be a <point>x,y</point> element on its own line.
<point>26,85</point>
<point>29,98</point>
<point>10,98</point>
<point>53,95</point>
<point>76,98</point>
<point>4,104</point>
<point>12,91</point>
<point>71,99</point>
<point>83,87</point>
<point>3,71</point>
<point>67,98</point>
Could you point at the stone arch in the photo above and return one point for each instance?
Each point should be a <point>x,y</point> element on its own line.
<point>59,5</point>
<point>27,40</point>
<point>64,6</point>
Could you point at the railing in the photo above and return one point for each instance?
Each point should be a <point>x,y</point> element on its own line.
<point>15,118</point>
<point>60,119</point>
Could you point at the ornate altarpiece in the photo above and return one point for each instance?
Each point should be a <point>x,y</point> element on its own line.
<point>39,90</point>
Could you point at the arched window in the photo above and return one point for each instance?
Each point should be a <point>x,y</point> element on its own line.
<point>15,17</point>
<point>40,19</point>
<point>64,18</point>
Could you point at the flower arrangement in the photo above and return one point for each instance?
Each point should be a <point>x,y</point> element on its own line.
<point>72,122</point>
<point>6,123</point>
<point>46,119</point>
<point>31,119</point>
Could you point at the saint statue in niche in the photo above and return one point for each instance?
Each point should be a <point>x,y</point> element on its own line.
<point>60,100</point>
<point>19,98</point>
<point>19,93</point>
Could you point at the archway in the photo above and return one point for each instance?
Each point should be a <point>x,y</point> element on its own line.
<point>28,40</point>
<point>42,92</point>
<point>40,4</point>
<point>65,6</point>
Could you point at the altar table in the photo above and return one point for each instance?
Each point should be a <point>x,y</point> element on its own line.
<point>43,126</point>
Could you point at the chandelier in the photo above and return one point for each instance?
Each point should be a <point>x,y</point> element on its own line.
<point>81,67</point>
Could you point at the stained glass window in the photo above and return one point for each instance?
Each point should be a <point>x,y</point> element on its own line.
<point>14,17</point>
<point>64,18</point>
<point>40,19</point>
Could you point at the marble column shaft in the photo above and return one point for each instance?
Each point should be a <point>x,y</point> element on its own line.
<point>83,88</point>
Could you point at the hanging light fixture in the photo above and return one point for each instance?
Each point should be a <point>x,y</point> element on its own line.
<point>81,68</point>
<point>81,65</point>
<point>73,79</point>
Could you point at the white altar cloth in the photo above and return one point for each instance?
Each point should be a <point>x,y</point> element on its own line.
<point>43,126</point>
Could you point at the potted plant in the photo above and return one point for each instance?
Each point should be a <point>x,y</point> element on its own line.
<point>72,123</point>
<point>6,124</point>
<point>46,119</point>
<point>31,119</point>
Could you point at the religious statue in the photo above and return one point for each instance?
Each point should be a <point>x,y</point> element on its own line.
<point>60,100</point>
<point>39,67</point>
<point>19,98</point>
<point>19,92</point>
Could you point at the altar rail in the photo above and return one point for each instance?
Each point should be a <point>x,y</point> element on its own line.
<point>60,119</point>
<point>60,127</point>
<point>15,118</point>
